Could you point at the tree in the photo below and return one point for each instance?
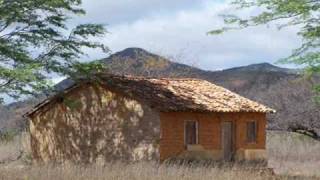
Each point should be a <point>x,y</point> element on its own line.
<point>304,14</point>
<point>35,43</point>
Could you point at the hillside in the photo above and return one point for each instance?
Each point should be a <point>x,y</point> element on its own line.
<point>280,88</point>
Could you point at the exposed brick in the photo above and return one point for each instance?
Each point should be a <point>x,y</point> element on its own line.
<point>172,131</point>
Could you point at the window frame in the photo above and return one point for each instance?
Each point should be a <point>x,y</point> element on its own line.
<point>255,133</point>
<point>185,132</point>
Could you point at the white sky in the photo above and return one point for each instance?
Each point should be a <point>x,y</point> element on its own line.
<point>178,28</point>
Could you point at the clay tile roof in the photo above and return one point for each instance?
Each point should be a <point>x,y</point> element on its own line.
<point>183,94</point>
<point>180,94</point>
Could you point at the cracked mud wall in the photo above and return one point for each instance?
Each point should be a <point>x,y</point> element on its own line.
<point>91,124</point>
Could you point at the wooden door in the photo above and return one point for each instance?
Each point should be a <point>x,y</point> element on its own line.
<point>227,140</point>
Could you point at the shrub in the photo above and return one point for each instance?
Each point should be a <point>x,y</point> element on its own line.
<point>8,135</point>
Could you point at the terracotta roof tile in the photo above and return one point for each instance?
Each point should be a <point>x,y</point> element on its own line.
<point>185,94</point>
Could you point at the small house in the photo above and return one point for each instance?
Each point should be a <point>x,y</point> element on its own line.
<point>134,118</point>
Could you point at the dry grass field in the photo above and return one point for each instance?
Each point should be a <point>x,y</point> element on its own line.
<point>293,156</point>
<point>293,153</point>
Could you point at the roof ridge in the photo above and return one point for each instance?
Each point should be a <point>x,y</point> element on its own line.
<point>181,79</point>
<point>150,78</point>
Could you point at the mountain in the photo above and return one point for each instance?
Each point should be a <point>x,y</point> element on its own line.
<point>264,67</point>
<point>282,89</point>
<point>138,61</point>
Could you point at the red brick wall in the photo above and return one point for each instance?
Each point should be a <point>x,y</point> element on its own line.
<point>172,131</point>
<point>242,131</point>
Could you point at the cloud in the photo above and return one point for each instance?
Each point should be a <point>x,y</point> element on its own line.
<point>125,11</point>
<point>172,28</point>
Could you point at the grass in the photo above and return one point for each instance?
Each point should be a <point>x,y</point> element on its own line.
<point>293,153</point>
<point>136,171</point>
<point>293,156</point>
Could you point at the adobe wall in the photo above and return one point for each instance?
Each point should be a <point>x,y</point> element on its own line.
<point>94,124</point>
<point>209,146</point>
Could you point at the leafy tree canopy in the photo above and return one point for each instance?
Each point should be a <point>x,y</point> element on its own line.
<point>36,42</point>
<point>304,14</point>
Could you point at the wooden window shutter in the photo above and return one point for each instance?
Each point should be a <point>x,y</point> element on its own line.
<point>252,132</point>
<point>191,132</point>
